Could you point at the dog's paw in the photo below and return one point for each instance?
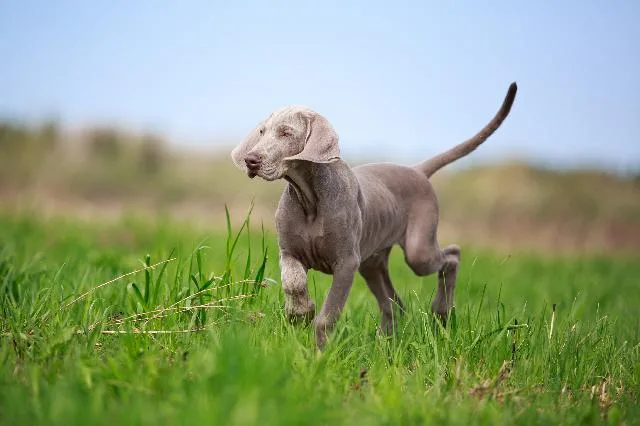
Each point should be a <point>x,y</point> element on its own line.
<point>387,326</point>
<point>301,319</point>
<point>444,317</point>
<point>300,315</point>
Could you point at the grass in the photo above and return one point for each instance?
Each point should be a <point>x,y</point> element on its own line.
<point>200,337</point>
<point>103,171</point>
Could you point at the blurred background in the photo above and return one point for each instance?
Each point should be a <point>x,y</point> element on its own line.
<point>115,108</point>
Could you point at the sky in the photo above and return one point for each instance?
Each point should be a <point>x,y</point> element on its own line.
<point>399,81</point>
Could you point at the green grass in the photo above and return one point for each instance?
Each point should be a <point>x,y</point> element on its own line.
<point>505,358</point>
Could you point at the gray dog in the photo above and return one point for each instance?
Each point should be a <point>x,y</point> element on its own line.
<point>339,220</point>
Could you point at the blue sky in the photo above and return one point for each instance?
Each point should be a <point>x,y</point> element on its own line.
<point>399,81</point>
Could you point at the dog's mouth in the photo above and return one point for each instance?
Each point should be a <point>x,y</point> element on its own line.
<point>266,172</point>
<point>262,171</point>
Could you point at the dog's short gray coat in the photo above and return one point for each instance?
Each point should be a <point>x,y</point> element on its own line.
<point>338,220</point>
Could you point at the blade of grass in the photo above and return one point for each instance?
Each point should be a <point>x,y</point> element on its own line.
<point>147,280</point>
<point>128,274</point>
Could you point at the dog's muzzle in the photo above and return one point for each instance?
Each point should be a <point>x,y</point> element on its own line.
<point>253,162</point>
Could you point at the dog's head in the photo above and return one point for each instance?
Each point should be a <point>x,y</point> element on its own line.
<point>289,135</point>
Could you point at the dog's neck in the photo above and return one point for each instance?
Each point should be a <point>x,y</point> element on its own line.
<point>301,180</point>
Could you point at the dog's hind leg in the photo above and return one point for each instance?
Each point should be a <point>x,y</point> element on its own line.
<point>392,291</point>
<point>424,257</point>
<point>375,271</point>
<point>447,276</point>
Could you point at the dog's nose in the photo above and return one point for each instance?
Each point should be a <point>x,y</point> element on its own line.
<point>253,161</point>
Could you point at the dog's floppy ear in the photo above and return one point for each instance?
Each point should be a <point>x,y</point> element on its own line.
<point>321,144</point>
<point>240,151</point>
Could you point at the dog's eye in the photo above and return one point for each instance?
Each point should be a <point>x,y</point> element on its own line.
<point>284,132</point>
<point>262,131</point>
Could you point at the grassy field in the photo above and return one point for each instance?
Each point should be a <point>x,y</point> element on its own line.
<point>101,172</point>
<point>201,338</point>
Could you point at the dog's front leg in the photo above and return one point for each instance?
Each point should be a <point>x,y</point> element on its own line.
<point>343,275</point>
<point>298,305</point>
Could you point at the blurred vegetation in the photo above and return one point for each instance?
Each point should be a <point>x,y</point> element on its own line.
<point>105,171</point>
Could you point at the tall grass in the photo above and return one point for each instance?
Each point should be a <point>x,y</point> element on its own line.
<point>133,323</point>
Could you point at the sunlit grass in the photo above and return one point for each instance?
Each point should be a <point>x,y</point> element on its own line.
<point>135,322</point>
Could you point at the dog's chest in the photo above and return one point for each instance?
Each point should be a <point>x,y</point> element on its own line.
<point>308,241</point>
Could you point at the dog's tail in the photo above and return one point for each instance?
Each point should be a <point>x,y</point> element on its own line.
<point>432,165</point>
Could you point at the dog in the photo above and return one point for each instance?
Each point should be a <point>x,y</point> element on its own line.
<point>338,220</point>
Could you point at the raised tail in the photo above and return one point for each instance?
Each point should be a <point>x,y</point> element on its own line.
<point>432,165</point>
